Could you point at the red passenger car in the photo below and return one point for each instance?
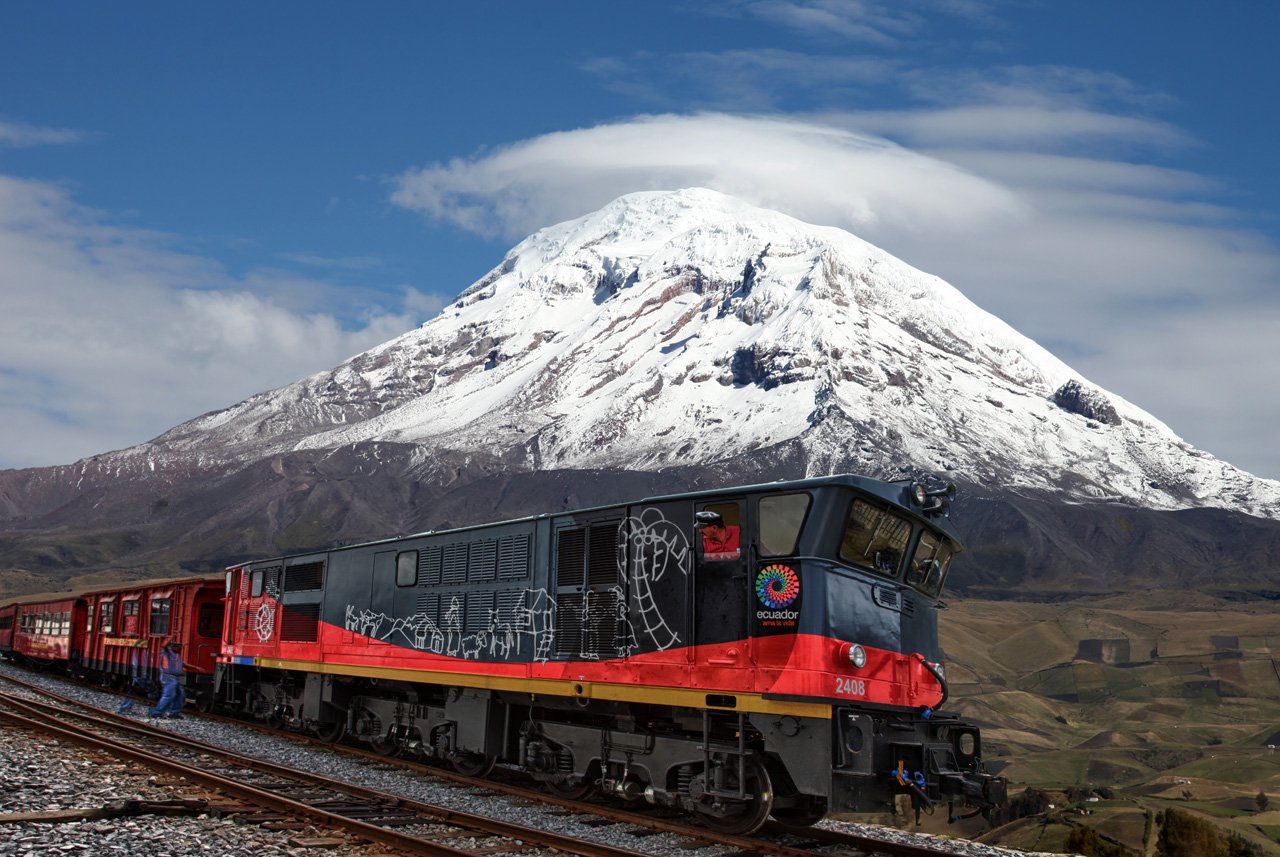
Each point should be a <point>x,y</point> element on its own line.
<point>123,629</point>
<point>8,613</point>
<point>44,631</point>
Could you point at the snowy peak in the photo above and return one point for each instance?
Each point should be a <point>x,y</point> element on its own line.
<point>680,327</point>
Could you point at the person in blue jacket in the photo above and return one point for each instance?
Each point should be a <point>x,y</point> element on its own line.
<point>172,696</point>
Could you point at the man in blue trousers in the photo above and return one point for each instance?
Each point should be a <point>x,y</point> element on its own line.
<point>172,696</point>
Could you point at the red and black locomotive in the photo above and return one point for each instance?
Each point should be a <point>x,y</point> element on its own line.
<point>738,653</point>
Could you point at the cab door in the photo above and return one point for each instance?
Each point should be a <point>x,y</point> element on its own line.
<point>721,587</point>
<point>382,594</point>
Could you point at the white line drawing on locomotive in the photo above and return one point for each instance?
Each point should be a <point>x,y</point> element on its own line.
<point>499,638</point>
<point>453,628</point>
<point>502,640</point>
<point>264,621</point>
<point>366,622</point>
<point>421,631</point>
<point>624,644</point>
<point>535,615</point>
<point>649,545</point>
<point>656,547</point>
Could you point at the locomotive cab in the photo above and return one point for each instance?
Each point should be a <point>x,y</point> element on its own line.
<point>841,585</point>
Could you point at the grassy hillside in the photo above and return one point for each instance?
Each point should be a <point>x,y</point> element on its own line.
<point>1166,699</point>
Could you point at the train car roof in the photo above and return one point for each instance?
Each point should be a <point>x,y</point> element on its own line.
<point>897,493</point>
<point>120,586</point>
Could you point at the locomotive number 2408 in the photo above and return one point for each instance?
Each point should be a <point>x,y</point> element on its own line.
<point>850,687</point>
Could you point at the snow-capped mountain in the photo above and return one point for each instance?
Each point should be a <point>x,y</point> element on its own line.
<point>677,327</point>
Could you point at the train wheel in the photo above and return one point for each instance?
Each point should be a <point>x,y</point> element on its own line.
<point>571,789</point>
<point>331,733</point>
<point>473,764</point>
<point>804,814</point>
<point>384,746</point>
<point>729,815</point>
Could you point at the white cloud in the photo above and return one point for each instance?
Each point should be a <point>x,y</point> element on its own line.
<point>1107,260</point>
<point>20,135</point>
<point>108,338</point>
<point>863,21</point>
<point>815,171</point>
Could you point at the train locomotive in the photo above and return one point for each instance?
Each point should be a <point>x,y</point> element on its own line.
<point>769,650</point>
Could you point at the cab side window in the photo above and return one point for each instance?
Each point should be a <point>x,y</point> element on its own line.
<point>874,538</point>
<point>720,532</point>
<point>929,565</point>
<point>781,517</point>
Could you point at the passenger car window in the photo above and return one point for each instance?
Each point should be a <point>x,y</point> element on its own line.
<point>874,538</point>
<point>160,615</point>
<point>106,614</point>
<point>781,517</point>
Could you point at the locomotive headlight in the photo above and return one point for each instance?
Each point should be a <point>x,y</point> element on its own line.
<point>919,494</point>
<point>857,656</point>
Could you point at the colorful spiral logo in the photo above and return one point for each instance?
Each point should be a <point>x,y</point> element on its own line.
<point>777,586</point>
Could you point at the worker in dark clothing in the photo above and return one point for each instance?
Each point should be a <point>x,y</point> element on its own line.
<point>172,696</point>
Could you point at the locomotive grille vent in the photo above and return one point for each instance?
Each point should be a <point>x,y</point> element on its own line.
<point>270,580</point>
<point>510,602</point>
<point>587,625</point>
<point>455,564</point>
<point>602,557</point>
<point>429,562</point>
<point>304,577</point>
<point>571,549</point>
<point>600,624</point>
<point>892,599</point>
<point>887,598</point>
<point>483,567</point>
<point>428,603</point>
<point>479,612</point>
<point>300,623</point>
<point>513,558</point>
<point>569,625</point>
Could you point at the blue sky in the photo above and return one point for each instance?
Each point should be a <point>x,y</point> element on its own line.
<point>202,201</point>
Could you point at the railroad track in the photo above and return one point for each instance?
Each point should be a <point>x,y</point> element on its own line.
<point>273,790</point>
<point>774,840</point>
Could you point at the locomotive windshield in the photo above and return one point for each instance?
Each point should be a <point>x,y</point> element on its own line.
<point>875,538</point>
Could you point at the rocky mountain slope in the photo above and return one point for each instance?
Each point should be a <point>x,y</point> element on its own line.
<point>678,333</point>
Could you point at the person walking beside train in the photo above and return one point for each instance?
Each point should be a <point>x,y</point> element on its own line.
<point>172,696</point>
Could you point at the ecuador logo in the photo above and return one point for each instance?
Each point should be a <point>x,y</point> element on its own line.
<point>777,586</point>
